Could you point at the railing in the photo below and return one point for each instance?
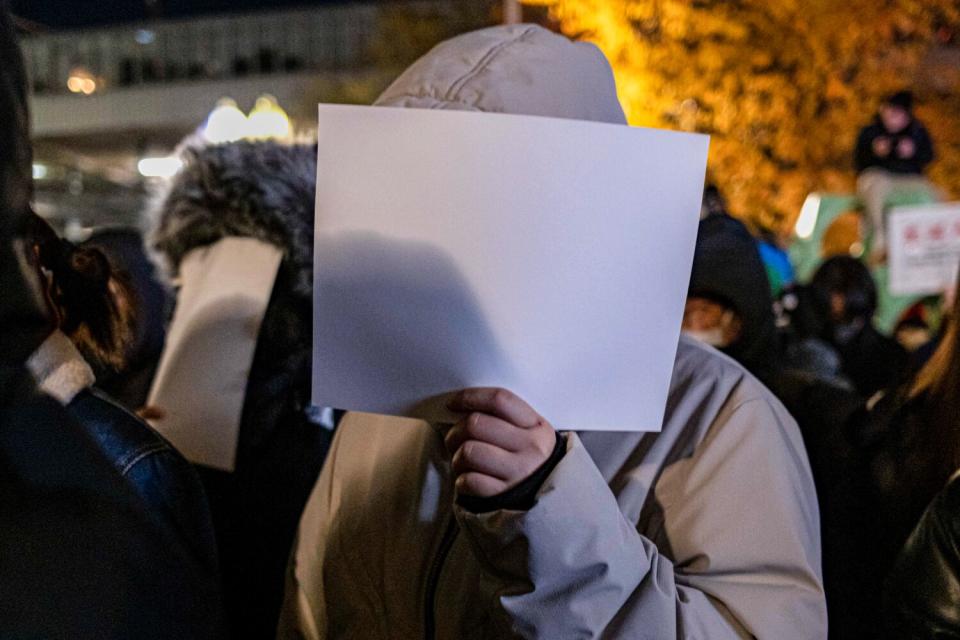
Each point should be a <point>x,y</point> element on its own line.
<point>204,48</point>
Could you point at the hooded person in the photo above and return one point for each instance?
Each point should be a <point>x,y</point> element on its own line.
<point>729,303</point>
<point>82,554</point>
<point>239,213</point>
<point>708,528</point>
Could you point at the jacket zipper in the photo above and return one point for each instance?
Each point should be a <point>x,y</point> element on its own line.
<point>433,579</point>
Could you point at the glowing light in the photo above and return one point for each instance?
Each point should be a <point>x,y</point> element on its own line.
<point>268,120</point>
<point>81,81</point>
<point>226,123</point>
<point>144,36</point>
<point>39,171</point>
<point>159,167</point>
<point>807,222</point>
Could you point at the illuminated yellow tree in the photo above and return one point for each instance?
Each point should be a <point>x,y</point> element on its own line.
<point>782,86</point>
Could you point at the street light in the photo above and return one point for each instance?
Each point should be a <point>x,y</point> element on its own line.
<point>268,120</point>
<point>807,222</point>
<point>159,167</point>
<point>226,123</point>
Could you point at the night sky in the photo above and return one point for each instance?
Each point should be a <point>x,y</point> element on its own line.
<point>79,13</point>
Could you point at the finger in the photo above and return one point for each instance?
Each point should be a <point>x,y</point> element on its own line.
<point>486,458</point>
<point>478,484</point>
<point>501,403</point>
<point>151,413</point>
<point>486,428</point>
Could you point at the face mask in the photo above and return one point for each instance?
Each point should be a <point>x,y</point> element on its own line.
<point>845,333</point>
<point>713,337</point>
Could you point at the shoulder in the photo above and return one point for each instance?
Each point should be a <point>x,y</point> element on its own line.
<point>703,369</point>
<point>125,438</point>
<point>712,396</point>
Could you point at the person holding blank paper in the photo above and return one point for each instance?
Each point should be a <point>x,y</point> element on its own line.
<point>499,526</point>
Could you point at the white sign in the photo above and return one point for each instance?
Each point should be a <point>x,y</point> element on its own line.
<point>456,249</point>
<point>201,382</point>
<point>924,248</point>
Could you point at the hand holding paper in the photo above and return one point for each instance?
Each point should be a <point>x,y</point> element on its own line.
<point>498,444</point>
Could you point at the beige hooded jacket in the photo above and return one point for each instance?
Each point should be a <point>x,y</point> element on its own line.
<point>708,529</point>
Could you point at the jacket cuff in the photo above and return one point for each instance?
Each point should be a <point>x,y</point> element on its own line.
<point>523,496</point>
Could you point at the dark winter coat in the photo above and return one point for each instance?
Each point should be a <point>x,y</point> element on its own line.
<point>922,595</point>
<point>865,158</point>
<point>883,482</point>
<point>263,191</point>
<point>81,556</point>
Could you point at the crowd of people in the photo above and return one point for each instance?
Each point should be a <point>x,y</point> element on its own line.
<point>877,412</point>
<point>803,467</point>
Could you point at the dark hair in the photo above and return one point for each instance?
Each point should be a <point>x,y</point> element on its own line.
<point>902,99</point>
<point>939,382</point>
<point>93,303</point>
<point>850,278</point>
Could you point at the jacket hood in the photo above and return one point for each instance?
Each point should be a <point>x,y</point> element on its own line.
<point>517,69</point>
<point>727,268</point>
<point>261,190</point>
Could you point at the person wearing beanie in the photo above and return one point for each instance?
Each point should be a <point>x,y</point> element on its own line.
<point>891,154</point>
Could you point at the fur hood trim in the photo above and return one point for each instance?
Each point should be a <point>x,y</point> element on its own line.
<point>261,190</point>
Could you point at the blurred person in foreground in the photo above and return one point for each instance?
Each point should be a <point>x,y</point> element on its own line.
<point>83,556</point>
<point>922,594</point>
<point>903,449</point>
<point>502,527</point>
<point>95,316</point>
<point>891,154</point>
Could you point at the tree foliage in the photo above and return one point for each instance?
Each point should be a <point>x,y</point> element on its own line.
<point>782,86</point>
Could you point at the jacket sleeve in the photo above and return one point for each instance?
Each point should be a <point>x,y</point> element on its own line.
<point>740,521</point>
<point>922,595</point>
<point>172,489</point>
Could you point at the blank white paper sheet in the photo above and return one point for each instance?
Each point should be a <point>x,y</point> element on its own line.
<point>456,249</point>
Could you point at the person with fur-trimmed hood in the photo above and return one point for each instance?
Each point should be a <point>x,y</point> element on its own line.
<point>502,527</point>
<point>263,195</point>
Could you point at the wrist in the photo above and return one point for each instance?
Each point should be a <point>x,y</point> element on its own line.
<point>522,496</point>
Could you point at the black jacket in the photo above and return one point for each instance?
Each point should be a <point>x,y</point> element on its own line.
<point>922,595</point>
<point>881,482</point>
<point>81,556</point>
<point>165,482</point>
<point>865,158</point>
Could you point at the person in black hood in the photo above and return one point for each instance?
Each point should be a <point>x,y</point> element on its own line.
<point>891,153</point>
<point>729,303</point>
